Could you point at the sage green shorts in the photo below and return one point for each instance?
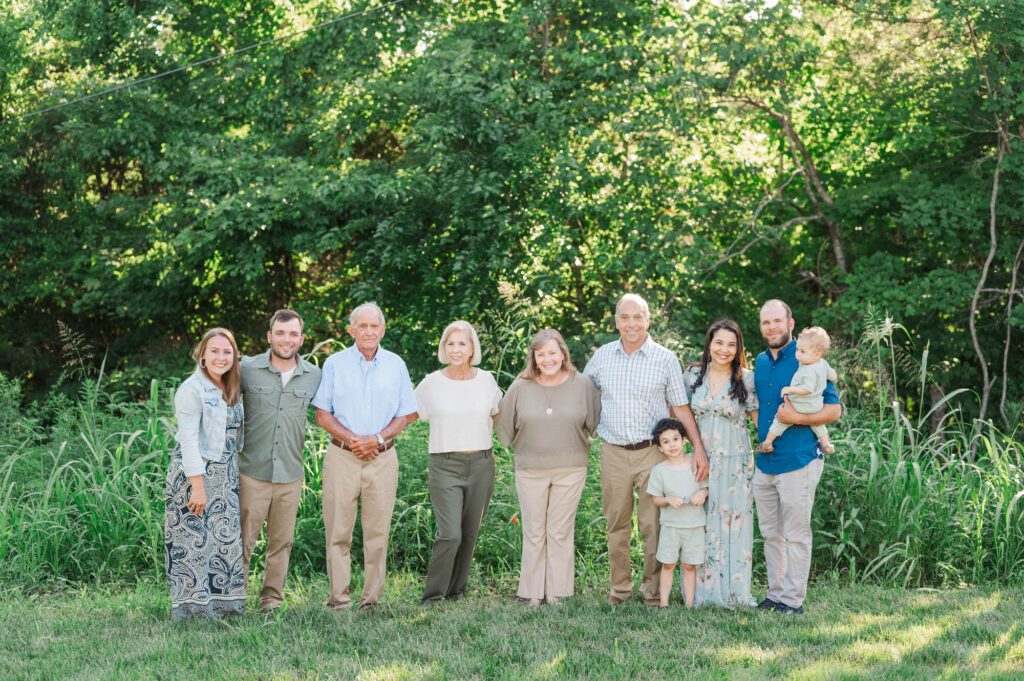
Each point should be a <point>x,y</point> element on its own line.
<point>681,545</point>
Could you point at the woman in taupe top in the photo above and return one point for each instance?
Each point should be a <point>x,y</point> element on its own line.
<point>547,417</point>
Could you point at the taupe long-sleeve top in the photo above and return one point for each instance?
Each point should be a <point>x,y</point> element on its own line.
<point>549,426</point>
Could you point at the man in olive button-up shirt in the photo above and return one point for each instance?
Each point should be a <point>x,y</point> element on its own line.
<point>278,387</point>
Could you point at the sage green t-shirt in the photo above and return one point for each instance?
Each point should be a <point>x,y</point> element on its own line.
<point>677,481</point>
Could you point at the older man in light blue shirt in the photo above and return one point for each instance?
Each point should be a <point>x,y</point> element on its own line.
<point>365,399</point>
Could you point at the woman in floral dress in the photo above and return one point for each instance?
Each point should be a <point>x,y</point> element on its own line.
<point>722,397</point>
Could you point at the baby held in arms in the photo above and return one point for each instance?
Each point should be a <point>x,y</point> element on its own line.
<point>808,384</point>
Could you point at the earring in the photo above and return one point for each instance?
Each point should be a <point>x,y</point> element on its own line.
<point>202,362</point>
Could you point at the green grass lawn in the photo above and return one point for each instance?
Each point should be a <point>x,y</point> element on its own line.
<point>848,632</point>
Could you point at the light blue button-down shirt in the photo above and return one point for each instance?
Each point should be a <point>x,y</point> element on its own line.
<point>365,396</point>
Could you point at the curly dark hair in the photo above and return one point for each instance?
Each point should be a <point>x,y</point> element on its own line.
<point>739,363</point>
<point>665,425</point>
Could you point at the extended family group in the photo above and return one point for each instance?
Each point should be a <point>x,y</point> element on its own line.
<point>238,468</point>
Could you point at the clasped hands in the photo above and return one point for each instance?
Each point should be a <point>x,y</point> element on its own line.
<point>365,447</point>
<point>697,499</point>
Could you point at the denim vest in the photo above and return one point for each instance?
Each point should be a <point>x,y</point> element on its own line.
<point>202,417</point>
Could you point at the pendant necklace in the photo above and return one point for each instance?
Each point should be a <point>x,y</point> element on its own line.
<point>544,392</point>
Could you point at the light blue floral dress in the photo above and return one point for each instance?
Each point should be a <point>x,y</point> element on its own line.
<point>724,578</point>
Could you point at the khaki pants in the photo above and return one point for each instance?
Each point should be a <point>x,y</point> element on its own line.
<point>621,471</point>
<point>277,503</point>
<point>461,485</point>
<point>347,481</point>
<point>548,498</point>
<point>784,504</point>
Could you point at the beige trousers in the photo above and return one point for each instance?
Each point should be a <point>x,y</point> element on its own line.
<point>784,504</point>
<point>623,470</point>
<point>277,504</point>
<point>548,498</point>
<point>347,481</point>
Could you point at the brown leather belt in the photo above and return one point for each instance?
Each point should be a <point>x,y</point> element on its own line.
<point>638,445</point>
<point>388,444</point>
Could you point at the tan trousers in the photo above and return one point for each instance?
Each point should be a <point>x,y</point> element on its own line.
<point>623,470</point>
<point>784,504</point>
<point>347,481</point>
<point>277,503</point>
<point>548,499</point>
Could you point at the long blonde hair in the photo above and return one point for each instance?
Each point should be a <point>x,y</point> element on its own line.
<point>532,371</point>
<point>232,378</point>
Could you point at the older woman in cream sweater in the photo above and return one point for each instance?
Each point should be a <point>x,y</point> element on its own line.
<point>459,402</point>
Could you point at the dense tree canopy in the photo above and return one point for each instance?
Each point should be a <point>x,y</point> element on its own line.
<point>839,154</point>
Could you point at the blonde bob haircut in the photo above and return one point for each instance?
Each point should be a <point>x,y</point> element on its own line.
<point>532,371</point>
<point>466,328</point>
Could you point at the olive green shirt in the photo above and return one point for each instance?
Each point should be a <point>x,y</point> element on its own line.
<point>275,418</point>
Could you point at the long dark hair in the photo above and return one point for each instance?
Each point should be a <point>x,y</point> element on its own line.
<point>739,363</point>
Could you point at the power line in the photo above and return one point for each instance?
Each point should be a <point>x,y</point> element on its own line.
<point>210,60</point>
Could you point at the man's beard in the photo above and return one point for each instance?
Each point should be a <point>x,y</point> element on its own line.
<point>783,342</point>
<point>280,356</point>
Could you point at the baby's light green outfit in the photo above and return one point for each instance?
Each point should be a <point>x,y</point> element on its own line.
<point>813,378</point>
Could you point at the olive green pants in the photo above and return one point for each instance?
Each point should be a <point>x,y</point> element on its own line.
<point>461,484</point>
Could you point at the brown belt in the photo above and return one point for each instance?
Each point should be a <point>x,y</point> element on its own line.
<point>638,445</point>
<point>388,444</point>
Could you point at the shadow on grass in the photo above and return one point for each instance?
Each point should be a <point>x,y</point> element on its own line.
<point>848,632</point>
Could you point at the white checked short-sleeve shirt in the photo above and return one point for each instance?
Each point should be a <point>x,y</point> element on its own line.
<point>636,390</point>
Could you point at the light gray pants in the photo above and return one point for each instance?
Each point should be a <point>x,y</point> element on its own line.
<point>784,504</point>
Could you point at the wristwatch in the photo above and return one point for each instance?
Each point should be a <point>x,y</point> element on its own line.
<point>380,439</point>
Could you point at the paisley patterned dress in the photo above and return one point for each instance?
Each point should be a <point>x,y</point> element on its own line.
<point>204,553</point>
<point>724,579</point>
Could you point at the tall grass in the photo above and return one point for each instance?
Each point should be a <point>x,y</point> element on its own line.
<point>902,502</point>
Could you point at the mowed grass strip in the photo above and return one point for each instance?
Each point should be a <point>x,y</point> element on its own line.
<point>848,632</point>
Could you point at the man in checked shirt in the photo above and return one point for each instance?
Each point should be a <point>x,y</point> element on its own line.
<point>640,383</point>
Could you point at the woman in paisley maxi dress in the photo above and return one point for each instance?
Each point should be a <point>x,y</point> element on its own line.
<point>722,397</point>
<point>202,532</point>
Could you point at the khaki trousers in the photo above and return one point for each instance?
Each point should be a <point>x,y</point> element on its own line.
<point>276,503</point>
<point>548,498</point>
<point>347,481</point>
<point>784,504</point>
<point>623,470</point>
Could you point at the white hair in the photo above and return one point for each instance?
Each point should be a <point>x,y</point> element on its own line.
<point>466,328</point>
<point>364,306</point>
<point>645,309</point>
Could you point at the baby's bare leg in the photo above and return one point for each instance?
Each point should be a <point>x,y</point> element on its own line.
<point>821,432</point>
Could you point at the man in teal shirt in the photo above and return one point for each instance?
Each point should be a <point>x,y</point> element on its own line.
<point>785,479</point>
<point>278,387</point>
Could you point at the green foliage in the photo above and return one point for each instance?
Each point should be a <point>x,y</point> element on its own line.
<point>902,502</point>
<point>706,155</point>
